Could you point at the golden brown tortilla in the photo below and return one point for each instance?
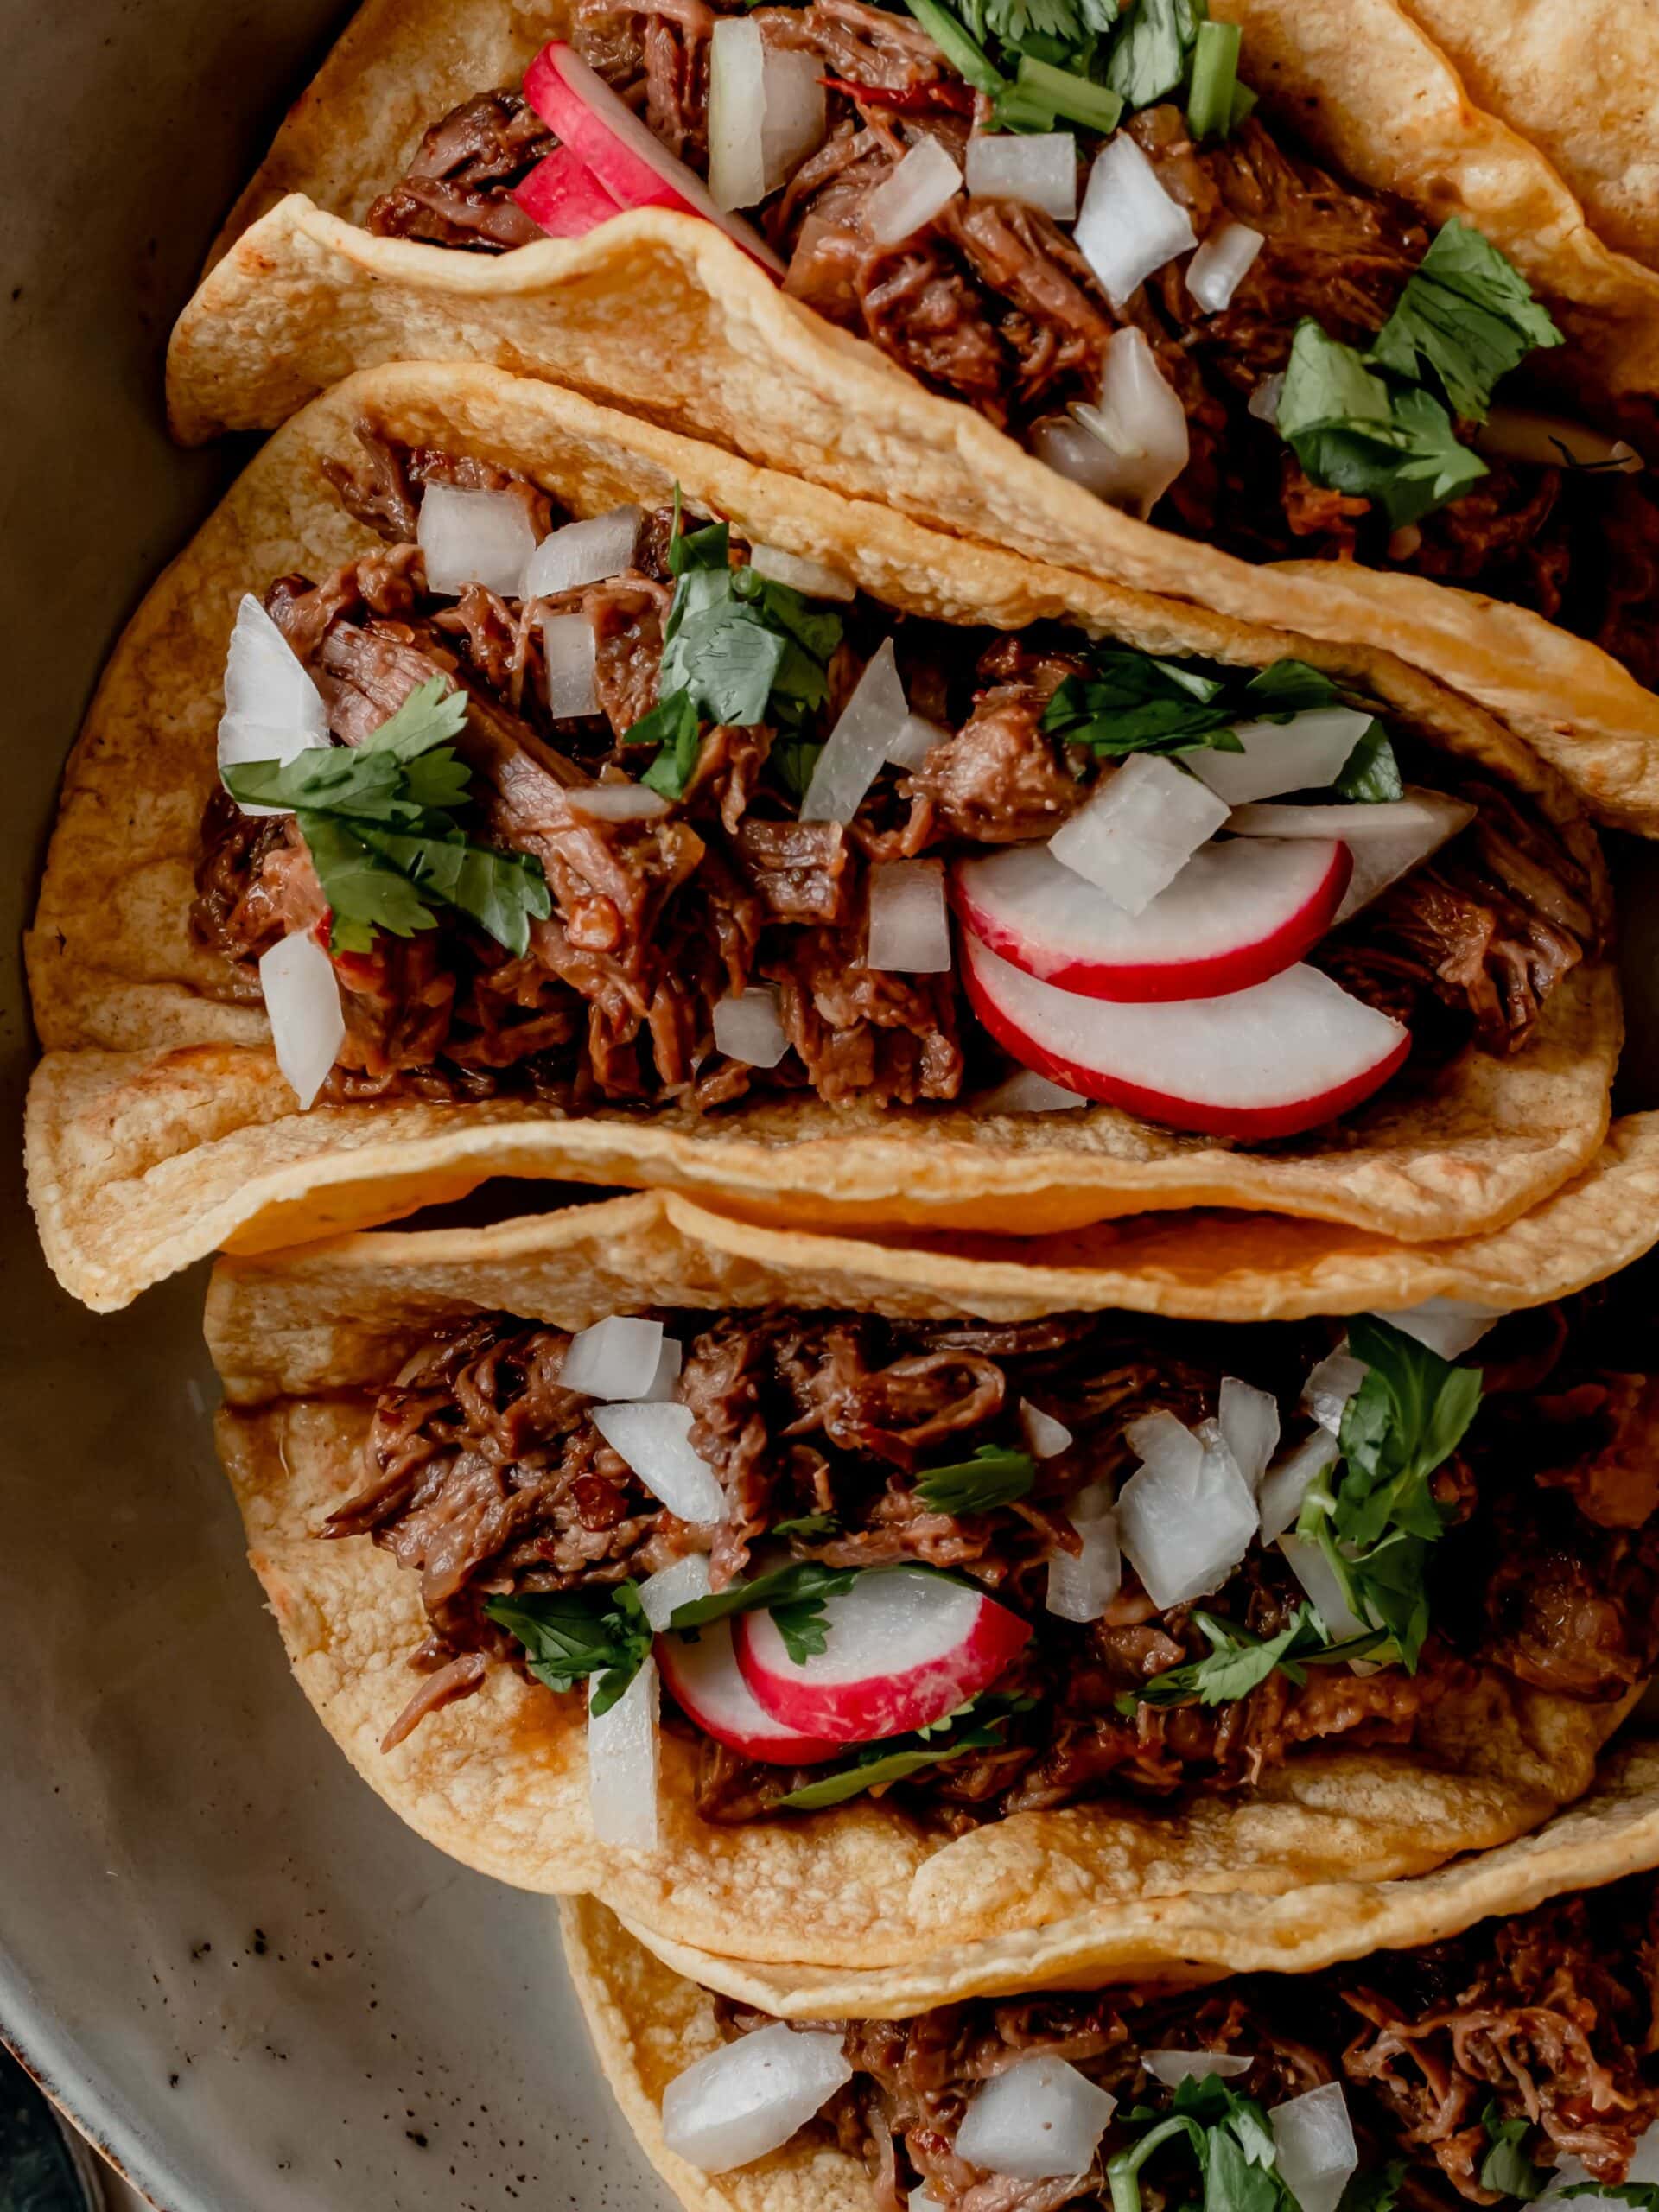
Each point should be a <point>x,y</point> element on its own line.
<point>159,1127</point>
<point>664,315</point>
<point>500,1781</point>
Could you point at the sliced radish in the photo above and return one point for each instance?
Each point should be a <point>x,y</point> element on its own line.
<point>1134,836</point>
<point>705,1679</point>
<point>562,196</point>
<point>1239,911</point>
<point>1450,1326</point>
<point>1387,841</point>
<point>1281,1057</point>
<point>902,1650</point>
<point>1303,754</point>
<point>634,167</point>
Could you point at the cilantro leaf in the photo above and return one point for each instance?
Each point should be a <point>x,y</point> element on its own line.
<point>793,1595</point>
<point>1149,55</point>
<point>672,725</point>
<point>1238,1662</point>
<point>978,1725</point>
<point>1369,2191</point>
<point>1506,2167</point>
<point>1353,433</point>
<point>500,891</point>
<point>570,1635</point>
<point>993,1477</point>
<point>1467,314</point>
<point>1370,775</point>
<point>1407,1417</point>
<point>1231,2138</point>
<point>807,1526</point>
<point>430,716</point>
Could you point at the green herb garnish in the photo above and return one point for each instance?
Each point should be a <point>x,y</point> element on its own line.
<point>979,1725</point>
<point>793,1595</point>
<point>1468,315</point>
<point>1215,76</point>
<point>807,1526</point>
<point>1506,2167</point>
<point>1354,432</point>
<point>993,1477</point>
<point>1149,55</point>
<point>1237,1661</point>
<point>571,1635</point>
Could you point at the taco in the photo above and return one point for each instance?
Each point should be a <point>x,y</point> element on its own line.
<point>1498,2050</point>
<point>981,1635</point>
<point>642,877</point>
<point>1349,360</point>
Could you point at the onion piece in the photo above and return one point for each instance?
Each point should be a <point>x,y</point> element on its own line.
<point>308,1023</point>
<point>1172,2067</point>
<point>1303,754</point>
<point>795,117</point>
<point>1128,226</point>
<point>857,746</point>
<point>1447,1325</point>
<point>1286,1485</point>
<point>273,711</point>
<point>1185,1517</point>
<point>1039,2120</point>
<point>1571,2173</point>
<point>622,1765</point>
<point>655,1441</point>
<point>1026,1092</point>
<point>474,537</point>
<point>737,105</point>
<point>1137,833</point>
<point>1081,1585</point>
<point>1046,1436</point>
<point>1314,2139</point>
<point>571,650</point>
<point>1307,1562</point>
<point>1552,440</point>
<point>751,2095</point>
<point>665,1384</point>
<point>1331,1384</point>
<point>748,1027</point>
<point>926,180</point>
<point>816,578</point>
<point>1263,402</point>
<point>679,1585</point>
<point>618,802</point>
<point>1140,425</point>
<point>1249,1422</point>
<point>1220,265</point>
<point>617,1357</point>
<point>1039,171</point>
<point>910,922</point>
<point>581,553</point>
<point>916,738</point>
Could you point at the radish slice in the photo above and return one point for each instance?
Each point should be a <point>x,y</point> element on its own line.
<point>751,2095</point>
<point>655,1441</point>
<point>1238,912</point>
<point>816,578</point>
<point>1185,1517</point>
<point>1301,755</point>
<point>1172,2067</point>
<point>622,1765</point>
<point>474,537</point>
<point>869,723</point>
<point>1314,2139</point>
<point>683,1584</point>
<point>1081,1586</point>
<point>308,1023</point>
<point>1039,2120</point>
<point>1280,1057</point>
<point>925,182</point>
<point>1285,1486</point>
<point>1026,1092</point>
<point>1220,265</point>
<point>633,166</point>
<point>618,1358</point>
<point>273,711</point>
<point>748,1027</point>
<point>580,553</point>
<point>1133,837</point>
<point>1139,424</point>
<point>1249,1422</point>
<point>1039,171</point>
<point>1387,841</point>
<point>1129,226</point>
<point>562,196</point>
<point>1450,1326</point>
<point>903,1648</point>
<point>704,1679</point>
<point>910,923</point>
<point>737,104</point>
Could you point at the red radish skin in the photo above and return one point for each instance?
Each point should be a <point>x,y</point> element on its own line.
<point>977,1641</point>
<point>563,197</point>
<point>991,898</point>
<point>1205,1117</point>
<point>706,1682</point>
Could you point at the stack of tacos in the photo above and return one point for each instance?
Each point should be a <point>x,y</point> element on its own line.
<point>974,651</point>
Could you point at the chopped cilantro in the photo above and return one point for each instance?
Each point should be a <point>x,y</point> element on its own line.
<point>1370,775</point>
<point>1053,92</point>
<point>1370,2191</point>
<point>1215,73</point>
<point>1467,314</point>
<point>793,1595</point>
<point>807,1526</point>
<point>792,760</point>
<point>978,1725</point>
<point>1352,431</point>
<point>1229,2136</point>
<point>1149,55</point>
<point>1506,2167</point>
<point>993,1477</point>
<point>1237,1661</point>
<point>573,1633</point>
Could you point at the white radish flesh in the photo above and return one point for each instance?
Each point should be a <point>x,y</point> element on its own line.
<point>1387,841</point>
<point>702,1675</point>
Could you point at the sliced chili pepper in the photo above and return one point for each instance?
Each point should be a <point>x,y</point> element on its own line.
<point>911,99</point>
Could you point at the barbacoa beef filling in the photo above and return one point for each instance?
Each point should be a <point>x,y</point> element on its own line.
<point>654,922</point>
<point>1549,2019</point>
<point>992,303</point>
<point>486,1478</point>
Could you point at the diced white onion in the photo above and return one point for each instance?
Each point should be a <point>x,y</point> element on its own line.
<point>1081,1587</point>
<point>1185,1517</point>
<point>655,1441</point>
<point>737,105</point>
<point>1302,755</point>
<point>1046,1437</point>
<point>1220,265</point>
<point>916,738</point>
<point>308,1023</point>
<point>855,748</point>
<point>618,803</point>
<point>581,553</point>
<point>1314,2139</point>
<point>1026,1092</point>
<point>1308,1563</point>
<point>1139,424</point>
<point>1448,1326</point>
<point>1172,2067</point>
<point>816,578</point>
<point>665,1384</point>
<point>751,2095</point>
<point>923,2200</point>
<point>672,1587</point>
<point>910,922</point>
<point>622,1759</point>
<point>1264,400</point>
<point>572,678</point>
<point>1129,226</point>
<point>926,180</point>
<point>794,115</point>
<point>748,1027</point>
<point>617,1357</point>
<point>1249,1422</point>
<point>1039,2120</point>
<point>1287,1484</point>
<point>1552,441</point>
<point>1332,1383</point>
<point>1039,171</point>
<point>474,537</point>
<point>1137,833</point>
<point>272,709</point>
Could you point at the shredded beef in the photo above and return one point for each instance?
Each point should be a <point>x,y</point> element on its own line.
<point>458,190</point>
